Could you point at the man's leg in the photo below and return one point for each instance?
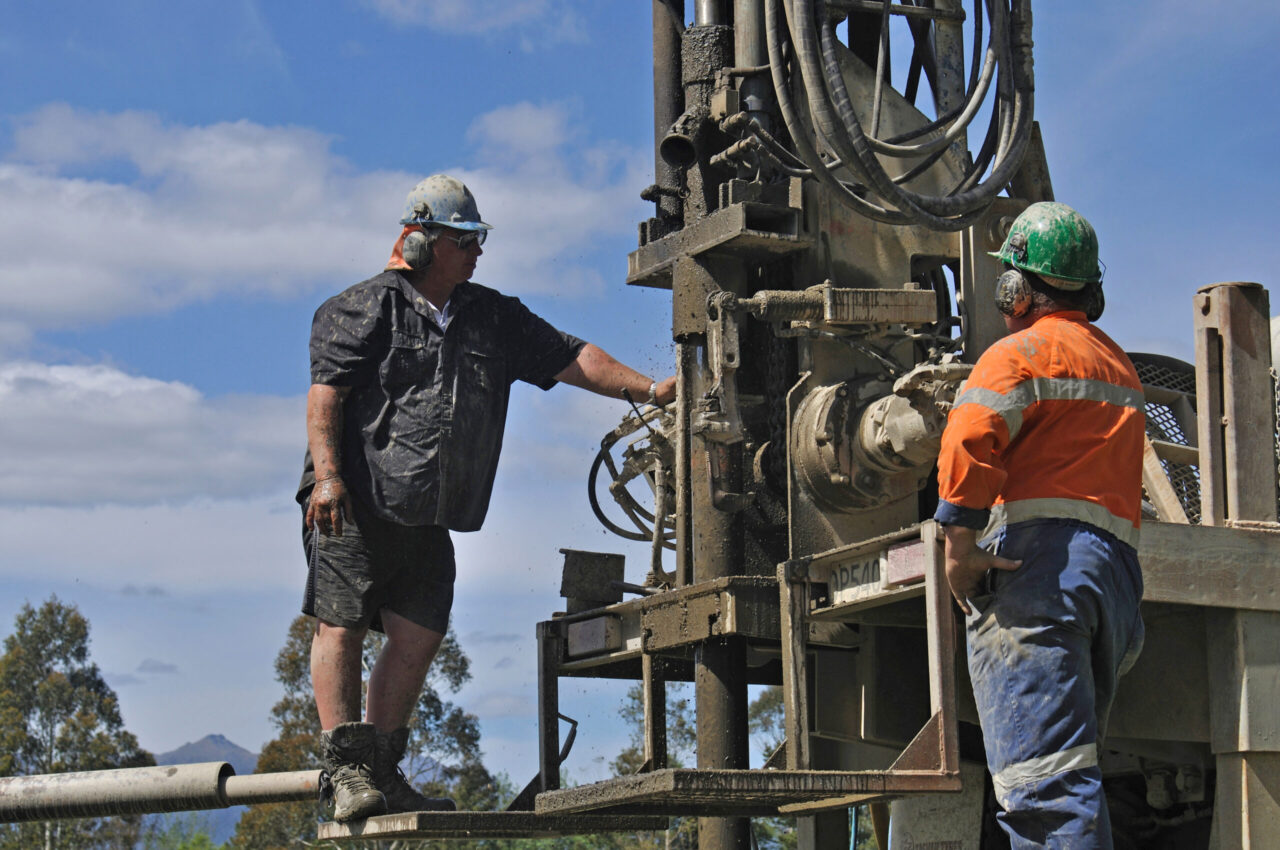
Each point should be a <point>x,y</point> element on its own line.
<point>348,746</point>
<point>396,680</point>
<point>335,673</point>
<point>339,581</point>
<point>1032,649</point>
<point>1033,686</point>
<point>394,687</point>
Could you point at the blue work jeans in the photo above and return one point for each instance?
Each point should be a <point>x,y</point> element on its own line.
<point>1046,647</point>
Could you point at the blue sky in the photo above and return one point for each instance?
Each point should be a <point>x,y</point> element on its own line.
<point>182,184</point>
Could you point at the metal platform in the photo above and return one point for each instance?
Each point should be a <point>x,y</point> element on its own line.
<point>459,825</point>
<point>736,793</point>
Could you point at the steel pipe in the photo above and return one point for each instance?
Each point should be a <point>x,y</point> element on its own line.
<point>708,13</point>
<point>668,100</point>
<point>749,51</point>
<point>147,790</point>
<point>255,788</point>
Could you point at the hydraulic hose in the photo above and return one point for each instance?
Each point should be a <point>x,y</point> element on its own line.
<point>928,209</point>
<point>958,119</point>
<point>816,67</point>
<point>845,132</point>
<point>799,135</point>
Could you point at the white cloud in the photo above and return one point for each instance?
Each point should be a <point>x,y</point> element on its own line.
<point>542,22</point>
<point>233,208</point>
<point>551,205</point>
<point>255,39</point>
<point>166,488</point>
<point>155,666</point>
<point>193,548</point>
<point>503,704</point>
<point>76,435</point>
<point>112,214</point>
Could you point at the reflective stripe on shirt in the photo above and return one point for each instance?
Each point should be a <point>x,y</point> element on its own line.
<point>1007,513</point>
<point>1076,455</point>
<point>1011,405</point>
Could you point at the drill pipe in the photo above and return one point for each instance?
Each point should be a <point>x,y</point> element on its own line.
<point>147,790</point>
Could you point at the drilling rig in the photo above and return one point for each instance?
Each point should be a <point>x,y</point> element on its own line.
<point>826,238</point>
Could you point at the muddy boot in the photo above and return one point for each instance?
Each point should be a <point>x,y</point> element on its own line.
<point>348,756</point>
<point>401,796</point>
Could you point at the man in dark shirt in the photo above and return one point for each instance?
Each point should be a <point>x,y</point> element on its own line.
<point>410,378</point>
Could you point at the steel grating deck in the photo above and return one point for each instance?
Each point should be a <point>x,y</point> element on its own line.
<point>460,825</point>
<point>724,792</point>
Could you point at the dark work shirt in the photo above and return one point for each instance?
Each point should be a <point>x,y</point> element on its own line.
<point>422,426</point>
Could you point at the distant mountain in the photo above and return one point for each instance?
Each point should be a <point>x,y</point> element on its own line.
<point>211,748</point>
<point>220,823</point>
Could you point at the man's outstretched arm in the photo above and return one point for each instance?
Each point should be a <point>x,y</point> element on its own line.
<point>595,370</point>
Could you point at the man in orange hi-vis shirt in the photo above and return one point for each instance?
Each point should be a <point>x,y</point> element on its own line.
<point>1043,449</point>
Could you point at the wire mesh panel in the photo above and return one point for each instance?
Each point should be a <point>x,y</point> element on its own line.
<point>1170,419</point>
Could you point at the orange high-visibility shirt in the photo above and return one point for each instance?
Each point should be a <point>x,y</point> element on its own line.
<point>1050,424</point>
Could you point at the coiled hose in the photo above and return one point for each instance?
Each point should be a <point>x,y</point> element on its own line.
<point>806,42</point>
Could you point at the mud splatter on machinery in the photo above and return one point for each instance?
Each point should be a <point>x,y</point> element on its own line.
<point>825,237</point>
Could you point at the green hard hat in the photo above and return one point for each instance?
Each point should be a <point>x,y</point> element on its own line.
<point>1055,242</point>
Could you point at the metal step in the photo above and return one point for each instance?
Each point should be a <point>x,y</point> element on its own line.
<point>736,793</point>
<point>442,825</point>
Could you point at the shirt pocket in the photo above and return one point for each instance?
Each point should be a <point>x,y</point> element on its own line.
<point>482,369</point>
<point>411,361</point>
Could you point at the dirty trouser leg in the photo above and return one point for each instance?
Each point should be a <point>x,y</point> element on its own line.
<point>1045,651</point>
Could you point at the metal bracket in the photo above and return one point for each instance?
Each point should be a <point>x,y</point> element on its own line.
<point>524,800</point>
<point>717,417</point>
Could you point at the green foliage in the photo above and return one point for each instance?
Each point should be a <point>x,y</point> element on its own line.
<point>57,714</point>
<point>863,836</point>
<point>765,717</point>
<point>185,831</point>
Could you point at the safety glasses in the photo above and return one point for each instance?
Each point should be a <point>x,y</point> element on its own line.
<point>471,237</point>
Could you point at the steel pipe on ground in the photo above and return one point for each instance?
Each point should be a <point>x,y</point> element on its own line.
<point>147,790</point>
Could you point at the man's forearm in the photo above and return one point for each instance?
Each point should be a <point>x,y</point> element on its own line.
<point>597,371</point>
<point>324,429</point>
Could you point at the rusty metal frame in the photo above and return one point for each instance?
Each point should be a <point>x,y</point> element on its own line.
<point>673,621</point>
<point>744,606</point>
<point>930,763</point>
<point>748,229</point>
<point>550,649</point>
<point>1235,403</point>
<point>1237,427</point>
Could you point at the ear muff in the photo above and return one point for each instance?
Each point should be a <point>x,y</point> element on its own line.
<point>1095,302</point>
<point>416,250</point>
<point>1013,294</point>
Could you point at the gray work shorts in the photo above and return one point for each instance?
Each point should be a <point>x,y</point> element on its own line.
<point>377,564</point>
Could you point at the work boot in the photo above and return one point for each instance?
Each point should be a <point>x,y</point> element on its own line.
<point>348,756</point>
<point>401,796</point>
